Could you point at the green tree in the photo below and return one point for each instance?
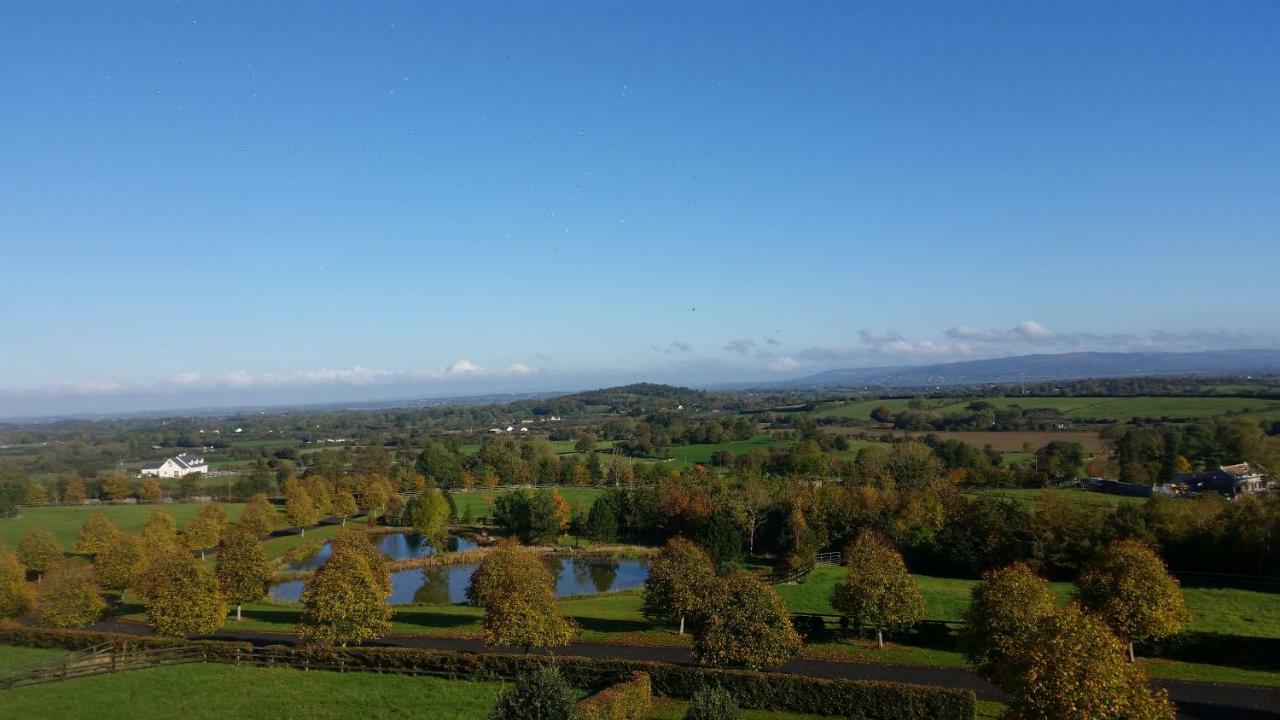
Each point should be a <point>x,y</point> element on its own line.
<point>342,603</point>
<point>182,596</point>
<point>539,695</point>
<point>375,500</point>
<point>721,536</point>
<point>204,530</point>
<point>95,533</point>
<point>1128,586</point>
<point>914,465</point>
<point>882,414</point>
<point>1072,668</point>
<point>344,505</point>
<point>744,623</point>
<point>517,592</point>
<point>69,597</point>
<point>430,514</point>
<point>602,522</point>
<point>120,562</point>
<point>713,703</point>
<point>681,577</point>
<point>1005,610</point>
<point>39,550</point>
<point>259,516</point>
<point>16,596</point>
<point>878,591</point>
<point>242,569</point>
<point>439,464</point>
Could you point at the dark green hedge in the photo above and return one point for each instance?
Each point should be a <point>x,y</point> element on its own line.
<point>765,691</point>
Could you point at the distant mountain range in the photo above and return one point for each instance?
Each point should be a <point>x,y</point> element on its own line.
<point>1038,368</point>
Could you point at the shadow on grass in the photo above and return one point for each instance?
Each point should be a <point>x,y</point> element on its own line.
<point>437,620</point>
<point>605,625</point>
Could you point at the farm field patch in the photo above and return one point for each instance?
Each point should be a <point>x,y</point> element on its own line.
<point>65,521</point>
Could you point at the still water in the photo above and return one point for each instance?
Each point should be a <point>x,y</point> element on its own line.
<point>448,583</point>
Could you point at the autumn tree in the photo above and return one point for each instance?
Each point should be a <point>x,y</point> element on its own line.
<point>429,513</point>
<point>517,592</point>
<point>757,497</point>
<point>680,578</point>
<point>1129,587</point>
<point>182,595</point>
<point>321,494</point>
<point>878,591</point>
<point>16,596</point>
<point>39,550</point>
<point>204,530</point>
<point>300,509</point>
<point>1071,667</point>
<point>69,597</point>
<point>74,491</point>
<point>242,569</point>
<point>160,534</point>
<point>375,500</point>
<point>117,487</point>
<point>119,562</point>
<point>744,623</point>
<point>342,602</point>
<point>150,492</point>
<point>37,494</point>
<point>1004,612</point>
<point>358,541</point>
<point>259,516</point>
<point>344,505</point>
<point>95,533</point>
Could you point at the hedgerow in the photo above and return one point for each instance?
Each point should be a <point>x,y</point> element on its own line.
<point>623,701</point>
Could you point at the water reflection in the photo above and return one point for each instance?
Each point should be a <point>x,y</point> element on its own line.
<point>444,584</point>
<point>396,546</point>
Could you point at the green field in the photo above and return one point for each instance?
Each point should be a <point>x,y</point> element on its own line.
<point>1217,610</point>
<point>216,692</point>
<point>12,657</point>
<point>1031,496</point>
<point>686,456</point>
<point>1109,409</point>
<point>65,522</point>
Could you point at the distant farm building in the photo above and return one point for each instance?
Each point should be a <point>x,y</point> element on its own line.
<point>1229,480</point>
<point>176,467</point>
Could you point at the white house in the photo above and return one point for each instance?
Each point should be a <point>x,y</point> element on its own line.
<point>176,467</point>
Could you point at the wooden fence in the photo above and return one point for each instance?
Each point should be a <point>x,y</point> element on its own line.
<point>100,660</point>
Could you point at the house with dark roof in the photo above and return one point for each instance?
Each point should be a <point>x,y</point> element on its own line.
<point>176,467</point>
<point>1229,480</point>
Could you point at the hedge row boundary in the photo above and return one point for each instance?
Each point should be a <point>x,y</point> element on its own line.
<point>860,699</point>
<point>624,701</point>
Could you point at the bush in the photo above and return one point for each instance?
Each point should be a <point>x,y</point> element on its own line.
<point>624,701</point>
<point>539,695</point>
<point>712,703</point>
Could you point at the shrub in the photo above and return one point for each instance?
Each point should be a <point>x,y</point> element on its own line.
<point>624,701</point>
<point>713,703</point>
<point>539,695</point>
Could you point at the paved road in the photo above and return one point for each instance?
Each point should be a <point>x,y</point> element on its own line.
<point>1195,700</point>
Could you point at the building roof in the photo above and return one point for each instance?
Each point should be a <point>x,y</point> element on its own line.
<point>1241,469</point>
<point>186,461</point>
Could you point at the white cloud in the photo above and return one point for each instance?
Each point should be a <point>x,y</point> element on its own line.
<point>1027,330</point>
<point>785,363</point>
<point>741,346</point>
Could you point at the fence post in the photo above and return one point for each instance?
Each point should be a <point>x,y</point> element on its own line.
<point>113,662</point>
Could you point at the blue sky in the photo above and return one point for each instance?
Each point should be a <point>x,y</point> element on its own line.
<point>293,201</point>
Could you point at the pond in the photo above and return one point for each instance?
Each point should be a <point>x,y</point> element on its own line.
<point>442,584</point>
<point>397,546</point>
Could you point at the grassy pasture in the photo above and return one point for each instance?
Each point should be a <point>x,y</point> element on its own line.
<point>13,657</point>
<point>65,522</point>
<point>216,692</point>
<point>1031,496</point>
<point>1108,409</point>
<point>1012,441</point>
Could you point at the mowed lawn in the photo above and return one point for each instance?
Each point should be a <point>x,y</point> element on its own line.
<point>1217,610</point>
<point>65,522</point>
<point>216,692</point>
<point>12,657</point>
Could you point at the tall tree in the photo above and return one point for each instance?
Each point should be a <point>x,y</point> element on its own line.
<point>16,596</point>
<point>204,530</point>
<point>344,505</point>
<point>430,514</point>
<point>1005,610</point>
<point>1071,668</point>
<point>118,564</point>
<point>74,491</point>
<point>300,509</point>
<point>878,591</point>
<point>259,516</point>
<point>95,533</point>
<point>602,522</point>
<point>151,492</point>
<point>242,569</point>
<point>160,534</point>
<point>69,597</point>
<point>182,596</point>
<point>358,541</point>
<point>39,550</point>
<point>681,577</point>
<point>517,592</point>
<point>342,602</point>
<point>744,623</point>
<point>1128,586</point>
